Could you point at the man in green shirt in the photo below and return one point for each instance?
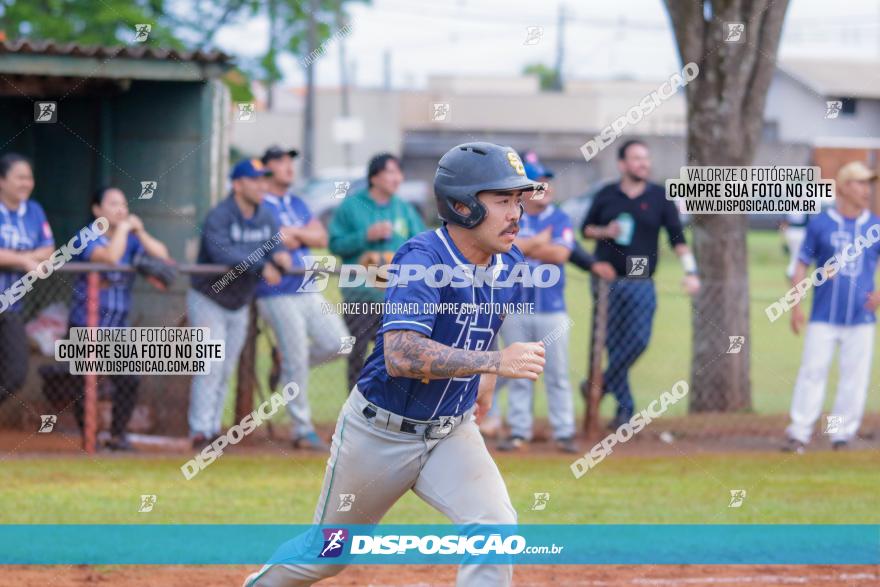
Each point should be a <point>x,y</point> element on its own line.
<point>368,228</point>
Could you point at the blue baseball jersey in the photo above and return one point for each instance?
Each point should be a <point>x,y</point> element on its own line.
<point>409,307</point>
<point>114,298</point>
<point>552,298</point>
<point>24,229</point>
<point>289,210</point>
<point>841,299</point>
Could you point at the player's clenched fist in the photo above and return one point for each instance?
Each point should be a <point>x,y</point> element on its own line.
<point>522,360</point>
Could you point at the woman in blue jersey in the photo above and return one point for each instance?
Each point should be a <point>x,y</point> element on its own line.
<point>25,241</point>
<point>120,245</point>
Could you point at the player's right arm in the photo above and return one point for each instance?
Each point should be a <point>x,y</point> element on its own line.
<point>413,355</point>
<point>591,229</point>
<point>805,258</point>
<point>797,312</point>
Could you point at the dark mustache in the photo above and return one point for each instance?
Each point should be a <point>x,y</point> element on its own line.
<point>513,225</point>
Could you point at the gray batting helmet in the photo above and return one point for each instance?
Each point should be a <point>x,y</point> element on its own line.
<point>471,168</point>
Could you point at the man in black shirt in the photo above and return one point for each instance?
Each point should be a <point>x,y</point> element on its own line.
<point>625,218</point>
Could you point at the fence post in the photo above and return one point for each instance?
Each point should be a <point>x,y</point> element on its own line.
<point>592,388</point>
<point>244,391</point>
<point>90,401</point>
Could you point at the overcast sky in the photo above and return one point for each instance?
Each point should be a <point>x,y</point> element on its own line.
<point>603,38</point>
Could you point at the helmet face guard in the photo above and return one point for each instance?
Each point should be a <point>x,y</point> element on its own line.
<point>471,168</point>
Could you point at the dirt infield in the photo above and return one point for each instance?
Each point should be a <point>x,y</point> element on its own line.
<point>698,433</point>
<point>426,576</point>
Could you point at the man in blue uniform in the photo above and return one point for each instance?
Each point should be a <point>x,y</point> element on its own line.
<point>25,242</point>
<point>545,237</point>
<point>409,421</point>
<point>305,333</point>
<point>843,311</point>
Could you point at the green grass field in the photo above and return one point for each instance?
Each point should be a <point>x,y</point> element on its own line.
<point>817,488</point>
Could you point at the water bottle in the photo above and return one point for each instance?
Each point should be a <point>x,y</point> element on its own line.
<point>627,224</point>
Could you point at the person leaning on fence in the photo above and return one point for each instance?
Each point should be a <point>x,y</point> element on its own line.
<point>239,233</point>
<point>25,241</point>
<point>367,228</point>
<point>304,331</point>
<point>625,218</point>
<point>545,237</point>
<point>842,316</point>
<point>125,241</point>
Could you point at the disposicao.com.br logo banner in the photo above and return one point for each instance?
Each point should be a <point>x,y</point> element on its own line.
<point>256,544</point>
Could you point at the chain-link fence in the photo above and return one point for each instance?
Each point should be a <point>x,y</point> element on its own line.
<point>42,395</point>
<point>627,341</point>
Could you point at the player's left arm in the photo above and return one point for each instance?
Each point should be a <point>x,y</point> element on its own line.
<point>153,246</point>
<point>414,355</point>
<point>411,354</point>
<point>312,234</point>
<point>45,245</point>
<point>40,254</point>
<point>558,250</point>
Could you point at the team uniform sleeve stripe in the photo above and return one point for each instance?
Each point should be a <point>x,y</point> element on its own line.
<point>412,322</point>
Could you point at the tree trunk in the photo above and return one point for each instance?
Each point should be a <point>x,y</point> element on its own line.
<point>725,119</point>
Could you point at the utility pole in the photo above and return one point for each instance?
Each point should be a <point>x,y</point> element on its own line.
<point>560,49</point>
<point>386,69</point>
<point>273,36</point>
<point>343,82</point>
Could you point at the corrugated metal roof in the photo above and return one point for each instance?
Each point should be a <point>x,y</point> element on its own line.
<point>135,51</point>
<point>830,77</point>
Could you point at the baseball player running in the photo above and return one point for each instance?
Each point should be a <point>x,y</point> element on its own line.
<point>842,314</point>
<point>409,422</point>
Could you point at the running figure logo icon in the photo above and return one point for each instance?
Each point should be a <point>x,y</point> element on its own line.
<point>737,497</point>
<point>534,34</point>
<point>735,32</point>
<point>142,32</point>
<point>147,504</point>
<point>148,188</point>
<point>47,423</point>
<point>334,542</point>
<point>45,112</point>
<point>833,108</point>
<point>833,423</point>
<point>341,188</point>
<point>637,267</point>
<point>346,344</point>
<point>247,112</point>
<point>541,500</point>
<point>735,344</point>
<point>440,112</point>
<point>317,275</point>
<point>346,500</point>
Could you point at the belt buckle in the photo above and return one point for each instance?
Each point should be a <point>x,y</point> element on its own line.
<point>442,429</point>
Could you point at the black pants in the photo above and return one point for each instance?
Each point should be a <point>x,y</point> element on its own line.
<point>363,327</point>
<point>61,388</point>
<point>14,354</point>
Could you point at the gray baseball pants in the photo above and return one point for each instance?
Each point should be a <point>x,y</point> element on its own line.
<point>455,474</point>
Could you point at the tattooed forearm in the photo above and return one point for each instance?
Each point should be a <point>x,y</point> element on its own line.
<point>410,354</point>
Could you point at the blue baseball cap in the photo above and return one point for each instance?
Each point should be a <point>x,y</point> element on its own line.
<point>249,168</point>
<point>534,168</point>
